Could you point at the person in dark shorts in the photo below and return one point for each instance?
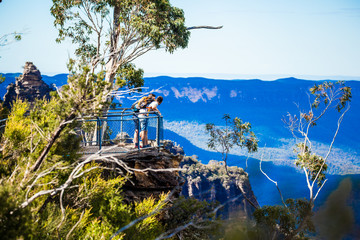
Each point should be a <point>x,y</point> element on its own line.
<point>137,106</point>
<point>144,120</point>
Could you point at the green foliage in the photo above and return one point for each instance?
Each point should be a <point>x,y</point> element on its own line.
<point>285,220</point>
<point>200,213</point>
<point>85,93</point>
<point>212,171</point>
<point>235,132</point>
<point>325,92</point>
<point>15,139</point>
<point>315,164</point>
<point>15,222</point>
<point>2,79</point>
<point>27,132</point>
<point>147,22</point>
<point>129,76</point>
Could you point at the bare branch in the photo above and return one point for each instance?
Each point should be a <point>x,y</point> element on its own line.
<point>332,143</point>
<point>76,224</point>
<point>318,191</point>
<point>204,27</point>
<point>276,184</point>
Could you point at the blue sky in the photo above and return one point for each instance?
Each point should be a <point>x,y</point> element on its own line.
<point>266,39</point>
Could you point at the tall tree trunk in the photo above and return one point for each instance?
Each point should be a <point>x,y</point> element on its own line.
<point>113,61</point>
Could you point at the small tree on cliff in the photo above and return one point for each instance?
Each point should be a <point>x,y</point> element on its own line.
<point>234,133</point>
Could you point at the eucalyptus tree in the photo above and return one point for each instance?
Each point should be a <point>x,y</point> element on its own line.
<point>110,34</point>
<point>234,133</point>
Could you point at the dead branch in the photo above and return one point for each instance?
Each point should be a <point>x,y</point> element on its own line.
<point>204,27</point>
<point>76,224</point>
<point>78,171</point>
<point>275,182</point>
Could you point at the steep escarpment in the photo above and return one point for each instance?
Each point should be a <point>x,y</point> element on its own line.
<point>210,182</point>
<point>28,86</point>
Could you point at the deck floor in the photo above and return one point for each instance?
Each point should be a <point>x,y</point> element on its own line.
<point>113,148</point>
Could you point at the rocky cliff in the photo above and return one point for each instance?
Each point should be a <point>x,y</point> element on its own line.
<point>210,182</point>
<point>204,182</point>
<point>28,86</point>
<point>152,183</point>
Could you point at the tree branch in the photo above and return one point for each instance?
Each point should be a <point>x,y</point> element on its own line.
<point>203,27</point>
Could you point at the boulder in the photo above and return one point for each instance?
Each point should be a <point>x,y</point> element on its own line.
<point>123,137</point>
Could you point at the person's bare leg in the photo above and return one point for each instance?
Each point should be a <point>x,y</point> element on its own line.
<point>136,139</point>
<point>145,140</point>
<point>142,137</point>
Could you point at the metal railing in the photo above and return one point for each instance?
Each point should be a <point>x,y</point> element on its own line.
<point>116,130</point>
<point>119,128</point>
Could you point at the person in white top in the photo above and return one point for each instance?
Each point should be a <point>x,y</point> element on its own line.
<point>153,106</point>
<point>137,108</point>
<point>144,121</point>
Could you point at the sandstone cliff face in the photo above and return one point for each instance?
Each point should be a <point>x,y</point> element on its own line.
<point>152,183</point>
<point>204,182</point>
<point>28,86</point>
<point>211,183</point>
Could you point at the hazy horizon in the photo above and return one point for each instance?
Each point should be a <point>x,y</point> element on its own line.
<point>221,76</point>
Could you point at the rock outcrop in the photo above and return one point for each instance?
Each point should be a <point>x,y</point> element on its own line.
<point>152,183</point>
<point>173,147</point>
<point>211,182</point>
<point>28,86</point>
<point>204,182</point>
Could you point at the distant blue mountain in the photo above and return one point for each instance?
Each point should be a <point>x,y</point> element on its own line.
<point>262,103</point>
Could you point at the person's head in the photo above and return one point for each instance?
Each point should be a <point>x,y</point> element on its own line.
<point>159,99</point>
<point>152,95</point>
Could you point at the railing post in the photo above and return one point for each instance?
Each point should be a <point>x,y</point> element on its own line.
<point>122,122</point>
<point>97,131</point>
<point>138,133</point>
<point>100,130</point>
<point>158,129</point>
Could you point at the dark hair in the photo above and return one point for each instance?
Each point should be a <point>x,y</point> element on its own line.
<point>159,99</point>
<point>151,94</point>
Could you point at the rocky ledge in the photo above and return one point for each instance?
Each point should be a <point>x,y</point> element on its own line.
<point>28,86</point>
<point>152,183</point>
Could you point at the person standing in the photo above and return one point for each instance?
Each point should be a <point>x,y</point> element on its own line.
<point>144,119</point>
<point>139,107</point>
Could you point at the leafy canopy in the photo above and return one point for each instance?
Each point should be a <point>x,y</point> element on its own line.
<point>112,33</point>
